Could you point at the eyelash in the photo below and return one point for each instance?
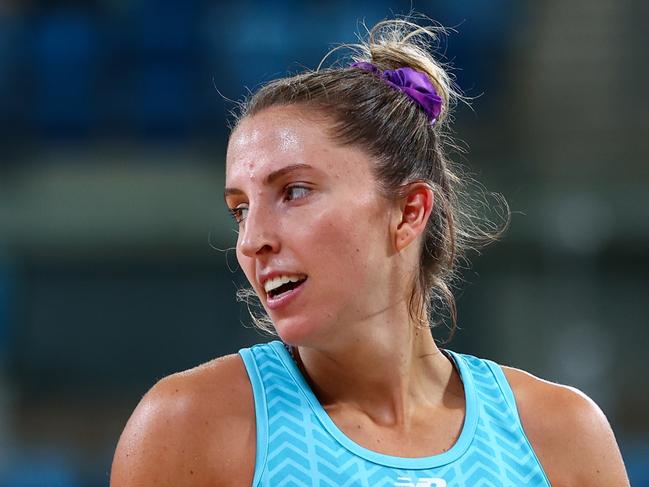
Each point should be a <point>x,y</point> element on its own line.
<point>297,186</point>
<point>236,212</point>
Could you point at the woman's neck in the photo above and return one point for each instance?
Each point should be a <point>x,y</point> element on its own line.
<point>387,380</point>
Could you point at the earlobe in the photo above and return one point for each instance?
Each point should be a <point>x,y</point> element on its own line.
<point>415,207</point>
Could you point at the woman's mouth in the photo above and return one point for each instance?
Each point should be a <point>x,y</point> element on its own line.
<point>284,294</point>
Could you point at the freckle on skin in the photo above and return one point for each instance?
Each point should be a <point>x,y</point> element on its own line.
<point>191,472</point>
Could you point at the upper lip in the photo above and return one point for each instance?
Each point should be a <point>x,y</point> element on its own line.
<point>265,276</point>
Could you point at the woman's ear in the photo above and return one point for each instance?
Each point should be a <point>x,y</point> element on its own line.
<point>416,206</point>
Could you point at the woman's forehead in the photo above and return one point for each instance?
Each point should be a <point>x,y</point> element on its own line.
<point>281,129</point>
<point>280,137</point>
<point>256,151</point>
<point>253,146</point>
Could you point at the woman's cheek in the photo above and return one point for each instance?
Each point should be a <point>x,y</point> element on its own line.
<point>340,247</point>
<point>331,228</point>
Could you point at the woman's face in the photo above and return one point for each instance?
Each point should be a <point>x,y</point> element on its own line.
<point>309,208</point>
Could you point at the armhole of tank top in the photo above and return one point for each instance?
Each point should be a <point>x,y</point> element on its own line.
<point>508,393</point>
<point>261,413</point>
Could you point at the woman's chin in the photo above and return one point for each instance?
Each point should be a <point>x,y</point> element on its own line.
<point>294,331</point>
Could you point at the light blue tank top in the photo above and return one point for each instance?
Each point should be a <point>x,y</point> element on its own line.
<point>299,445</point>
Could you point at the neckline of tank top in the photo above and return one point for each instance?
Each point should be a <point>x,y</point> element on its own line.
<point>462,444</point>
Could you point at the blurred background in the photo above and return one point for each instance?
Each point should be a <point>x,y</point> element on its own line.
<point>112,142</point>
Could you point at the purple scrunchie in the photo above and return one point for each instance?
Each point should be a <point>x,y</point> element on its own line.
<point>413,83</point>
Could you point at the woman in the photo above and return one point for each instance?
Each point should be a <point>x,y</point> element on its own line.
<point>351,222</point>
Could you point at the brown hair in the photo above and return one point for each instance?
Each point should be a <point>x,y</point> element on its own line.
<point>366,112</point>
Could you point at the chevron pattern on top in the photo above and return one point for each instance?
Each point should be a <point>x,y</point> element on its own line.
<point>304,452</point>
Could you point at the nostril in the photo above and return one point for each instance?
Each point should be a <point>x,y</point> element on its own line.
<point>265,246</point>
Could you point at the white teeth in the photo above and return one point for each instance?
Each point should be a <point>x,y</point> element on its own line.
<point>276,282</point>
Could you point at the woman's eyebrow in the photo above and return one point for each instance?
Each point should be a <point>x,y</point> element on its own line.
<point>285,170</point>
<point>271,177</point>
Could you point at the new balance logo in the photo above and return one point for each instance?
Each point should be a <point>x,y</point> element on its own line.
<point>426,482</point>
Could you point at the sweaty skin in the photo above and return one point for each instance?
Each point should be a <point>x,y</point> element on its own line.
<point>359,250</point>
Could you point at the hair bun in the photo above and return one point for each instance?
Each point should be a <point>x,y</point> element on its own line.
<point>398,43</point>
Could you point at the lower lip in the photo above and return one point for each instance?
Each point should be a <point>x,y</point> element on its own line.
<point>283,300</point>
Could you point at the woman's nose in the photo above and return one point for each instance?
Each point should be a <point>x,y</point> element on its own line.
<point>258,233</point>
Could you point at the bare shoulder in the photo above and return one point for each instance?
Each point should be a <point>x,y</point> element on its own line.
<point>195,427</point>
<point>568,431</point>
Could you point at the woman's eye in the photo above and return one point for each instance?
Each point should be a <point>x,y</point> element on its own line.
<point>237,213</point>
<point>297,192</point>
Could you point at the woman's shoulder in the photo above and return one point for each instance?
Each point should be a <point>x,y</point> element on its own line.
<point>568,431</point>
<point>195,426</point>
